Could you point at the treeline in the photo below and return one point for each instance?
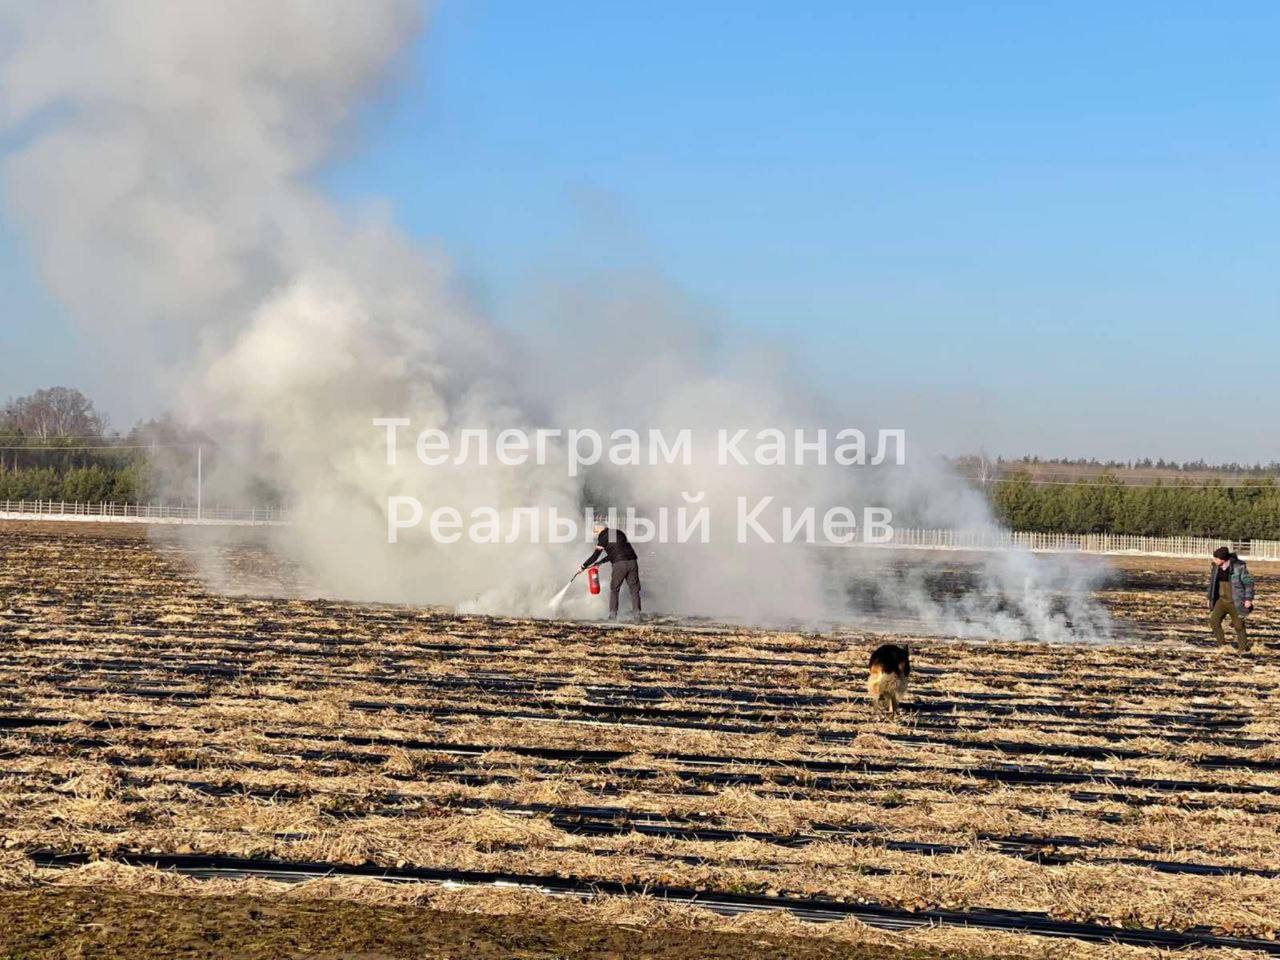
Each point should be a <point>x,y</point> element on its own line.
<point>97,483</point>
<point>1172,466</point>
<point>1126,470</point>
<point>1238,511</point>
<point>54,445</point>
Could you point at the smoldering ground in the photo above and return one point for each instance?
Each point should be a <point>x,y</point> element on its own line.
<point>162,171</point>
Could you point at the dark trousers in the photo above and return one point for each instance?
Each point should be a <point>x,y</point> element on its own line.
<point>1223,609</point>
<point>624,571</point>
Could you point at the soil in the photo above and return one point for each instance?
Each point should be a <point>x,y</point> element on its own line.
<point>74,528</point>
<point>60,923</point>
<point>148,708</point>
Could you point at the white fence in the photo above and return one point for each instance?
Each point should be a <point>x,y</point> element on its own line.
<point>991,539</point>
<point>904,537</point>
<point>137,512</point>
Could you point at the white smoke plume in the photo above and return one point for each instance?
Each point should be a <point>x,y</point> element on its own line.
<point>163,175</point>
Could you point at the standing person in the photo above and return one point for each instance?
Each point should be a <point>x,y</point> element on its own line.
<point>1230,595</point>
<point>625,567</point>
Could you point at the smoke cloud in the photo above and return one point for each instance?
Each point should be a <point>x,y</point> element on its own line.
<point>163,175</point>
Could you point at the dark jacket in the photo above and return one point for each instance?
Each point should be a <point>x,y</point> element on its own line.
<point>1241,583</point>
<point>615,547</point>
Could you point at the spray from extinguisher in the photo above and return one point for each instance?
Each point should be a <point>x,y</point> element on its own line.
<point>555,601</point>
<point>593,580</point>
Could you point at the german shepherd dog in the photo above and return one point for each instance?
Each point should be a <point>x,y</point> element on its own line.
<point>887,681</point>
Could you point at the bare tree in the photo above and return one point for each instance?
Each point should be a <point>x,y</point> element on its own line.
<point>986,469</point>
<point>53,412</point>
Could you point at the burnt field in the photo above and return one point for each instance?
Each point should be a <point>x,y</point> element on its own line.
<point>159,738</point>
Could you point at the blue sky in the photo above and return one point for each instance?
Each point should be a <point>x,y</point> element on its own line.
<point>1047,228</point>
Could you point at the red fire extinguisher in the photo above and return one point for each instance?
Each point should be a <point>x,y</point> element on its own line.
<point>593,580</point>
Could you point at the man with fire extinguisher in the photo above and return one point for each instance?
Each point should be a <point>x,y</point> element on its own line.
<point>625,567</point>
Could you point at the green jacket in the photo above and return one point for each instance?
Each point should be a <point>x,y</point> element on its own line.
<point>1241,583</point>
